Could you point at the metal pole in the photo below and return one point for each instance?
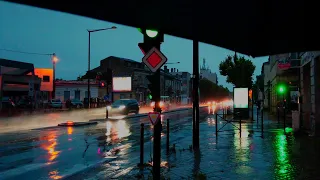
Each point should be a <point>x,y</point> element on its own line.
<point>157,131</point>
<point>168,134</point>
<point>284,115</point>
<point>141,145</point>
<point>54,80</point>
<point>252,107</point>
<point>216,124</point>
<point>262,121</point>
<point>195,116</point>
<point>278,114</point>
<point>89,51</point>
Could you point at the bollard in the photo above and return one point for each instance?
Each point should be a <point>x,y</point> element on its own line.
<point>262,122</point>
<point>284,119</point>
<point>107,113</point>
<point>168,133</point>
<point>278,114</point>
<point>216,124</point>
<point>240,127</point>
<point>141,145</point>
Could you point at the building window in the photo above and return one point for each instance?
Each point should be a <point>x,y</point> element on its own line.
<point>46,79</point>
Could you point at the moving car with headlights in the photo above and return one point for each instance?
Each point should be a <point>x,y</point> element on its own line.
<point>124,107</point>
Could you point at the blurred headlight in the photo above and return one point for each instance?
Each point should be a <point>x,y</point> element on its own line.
<point>108,107</point>
<point>122,107</point>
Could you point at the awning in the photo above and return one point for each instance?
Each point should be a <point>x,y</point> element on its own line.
<point>251,27</point>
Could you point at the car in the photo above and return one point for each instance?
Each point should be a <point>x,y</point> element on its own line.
<point>124,107</point>
<point>76,103</point>
<point>55,103</point>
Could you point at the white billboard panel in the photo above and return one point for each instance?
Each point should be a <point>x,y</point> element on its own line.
<point>240,98</point>
<point>121,84</point>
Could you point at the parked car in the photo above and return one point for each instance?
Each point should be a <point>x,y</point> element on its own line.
<point>55,103</point>
<point>76,103</point>
<point>24,103</point>
<point>124,107</point>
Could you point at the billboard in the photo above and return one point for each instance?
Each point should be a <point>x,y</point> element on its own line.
<point>121,84</point>
<point>240,98</point>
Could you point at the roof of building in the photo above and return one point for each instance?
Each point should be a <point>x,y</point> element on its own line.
<point>11,67</point>
<point>74,82</point>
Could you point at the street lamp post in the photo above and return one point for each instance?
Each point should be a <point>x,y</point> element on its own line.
<point>89,32</point>
<point>54,62</point>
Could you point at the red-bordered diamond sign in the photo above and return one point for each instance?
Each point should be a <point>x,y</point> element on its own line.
<point>154,117</point>
<point>154,59</point>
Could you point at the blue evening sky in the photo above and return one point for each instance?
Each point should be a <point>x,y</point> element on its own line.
<point>30,29</point>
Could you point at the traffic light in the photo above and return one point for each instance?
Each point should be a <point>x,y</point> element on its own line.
<point>281,88</point>
<point>107,76</point>
<point>151,86</point>
<point>151,38</point>
<point>101,84</point>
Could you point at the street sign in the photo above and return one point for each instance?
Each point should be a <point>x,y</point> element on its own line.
<point>106,97</point>
<point>154,117</point>
<point>154,59</point>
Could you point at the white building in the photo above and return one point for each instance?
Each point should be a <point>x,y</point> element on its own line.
<point>75,90</point>
<point>205,72</point>
<point>186,85</point>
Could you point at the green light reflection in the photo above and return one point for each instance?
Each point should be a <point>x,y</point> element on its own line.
<point>283,167</point>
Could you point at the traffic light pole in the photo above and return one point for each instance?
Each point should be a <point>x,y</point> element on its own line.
<point>195,109</point>
<point>157,129</point>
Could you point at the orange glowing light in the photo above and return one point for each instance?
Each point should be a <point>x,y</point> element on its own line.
<point>70,130</point>
<point>50,145</point>
<point>69,122</point>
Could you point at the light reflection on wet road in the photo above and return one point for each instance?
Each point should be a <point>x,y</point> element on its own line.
<point>56,152</point>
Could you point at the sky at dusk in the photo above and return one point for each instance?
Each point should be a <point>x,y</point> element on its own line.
<point>29,29</point>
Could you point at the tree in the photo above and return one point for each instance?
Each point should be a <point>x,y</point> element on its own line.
<point>210,91</point>
<point>238,71</point>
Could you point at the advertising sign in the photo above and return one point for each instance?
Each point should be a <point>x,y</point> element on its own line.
<point>240,98</point>
<point>121,84</point>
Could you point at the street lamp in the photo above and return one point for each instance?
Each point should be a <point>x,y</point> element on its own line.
<point>54,59</point>
<point>90,31</point>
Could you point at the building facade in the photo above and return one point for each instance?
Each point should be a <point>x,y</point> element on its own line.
<point>205,72</point>
<point>138,71</point>
<point>186,86</point>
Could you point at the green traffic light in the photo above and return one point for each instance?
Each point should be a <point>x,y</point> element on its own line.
<point>150,96</point>
<point>281,89</point>
<point>151,33</point>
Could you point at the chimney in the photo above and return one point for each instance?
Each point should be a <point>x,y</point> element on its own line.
<point>177,69</point>
<point>171,69</point>
<point>174,69</point>
<point>165,68</point>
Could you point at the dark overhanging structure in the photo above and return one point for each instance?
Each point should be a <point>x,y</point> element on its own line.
<point>250,27</point>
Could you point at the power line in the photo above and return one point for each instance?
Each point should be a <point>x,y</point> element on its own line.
<point>22,52</point>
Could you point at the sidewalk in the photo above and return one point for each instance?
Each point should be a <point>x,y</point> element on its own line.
<point>277,155</point>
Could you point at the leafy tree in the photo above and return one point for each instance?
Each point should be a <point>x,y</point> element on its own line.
<point>238,71</point>
<point>210,91</point>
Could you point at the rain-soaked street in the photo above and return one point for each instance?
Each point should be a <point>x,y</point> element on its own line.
<point>110,150</point>
<point>56,152</point>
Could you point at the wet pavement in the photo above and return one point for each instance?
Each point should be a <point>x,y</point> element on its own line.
<point>278,154</point>
<point>58,152</point>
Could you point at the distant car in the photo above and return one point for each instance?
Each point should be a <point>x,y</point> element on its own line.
<point>124,107</point>
<point>163,105</point>
<point>76,103</point>
<point>55,103</point>
<point>24,103</point>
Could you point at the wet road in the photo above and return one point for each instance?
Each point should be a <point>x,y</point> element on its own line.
<point>26,122</point>
<point>54,153</point>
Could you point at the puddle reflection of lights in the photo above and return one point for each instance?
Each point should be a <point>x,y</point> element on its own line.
<point>211,121</point>
<point>50,145</point>
<point>117,130</point>
<point>70,130</point>
<point>242,149</point>
<point>54,175</point>
<point>283,166</point>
